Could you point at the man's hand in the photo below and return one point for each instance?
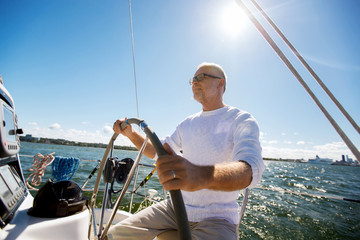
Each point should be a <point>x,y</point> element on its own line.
<point>136,138</point>
<point>175,172</point>
<point>117,128</point>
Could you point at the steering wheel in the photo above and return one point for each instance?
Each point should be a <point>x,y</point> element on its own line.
<point>176,197</point>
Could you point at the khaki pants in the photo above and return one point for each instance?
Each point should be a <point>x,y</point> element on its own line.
<point>160,218</point>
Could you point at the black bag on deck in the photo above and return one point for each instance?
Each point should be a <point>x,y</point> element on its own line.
<point>59,199</point>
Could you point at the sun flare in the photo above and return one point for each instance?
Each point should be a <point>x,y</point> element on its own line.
<point>233,20</point>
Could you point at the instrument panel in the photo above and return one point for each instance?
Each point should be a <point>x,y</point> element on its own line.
<point>12,193</point>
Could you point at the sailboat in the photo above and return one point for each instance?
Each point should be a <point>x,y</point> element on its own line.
<point>16,199</point>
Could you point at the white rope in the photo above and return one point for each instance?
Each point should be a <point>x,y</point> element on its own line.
<point>40,162</point>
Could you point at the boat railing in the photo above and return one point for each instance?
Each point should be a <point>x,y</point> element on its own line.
<point>150,197</point>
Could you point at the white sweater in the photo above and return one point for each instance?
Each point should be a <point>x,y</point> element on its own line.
<point>206,138</point>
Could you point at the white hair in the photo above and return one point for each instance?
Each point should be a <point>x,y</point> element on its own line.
<point>217,68</point>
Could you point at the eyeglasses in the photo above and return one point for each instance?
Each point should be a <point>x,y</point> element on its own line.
<point>201,77</point>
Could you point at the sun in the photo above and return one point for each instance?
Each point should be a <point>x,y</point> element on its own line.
<point>233,20</point>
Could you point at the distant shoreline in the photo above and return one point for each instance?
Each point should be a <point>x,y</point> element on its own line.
<point>128,148</point>
<point>103,145</point>
<point>285,160</point>
<point>73,143</point>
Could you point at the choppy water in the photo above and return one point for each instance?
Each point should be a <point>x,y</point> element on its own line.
<point>282,207</point>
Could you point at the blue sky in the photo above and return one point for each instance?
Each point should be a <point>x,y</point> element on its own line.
<point>69,67</point>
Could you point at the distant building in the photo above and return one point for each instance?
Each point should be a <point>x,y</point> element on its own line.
<point>28,137</point>
<point>349,159</point>
<point>346,161</point>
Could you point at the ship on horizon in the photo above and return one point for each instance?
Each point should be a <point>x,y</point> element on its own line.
<point>319,160</point>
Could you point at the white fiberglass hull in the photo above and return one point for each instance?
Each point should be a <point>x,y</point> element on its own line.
<point>74,227</point>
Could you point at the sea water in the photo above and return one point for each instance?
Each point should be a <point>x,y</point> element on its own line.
<point>293,200</point>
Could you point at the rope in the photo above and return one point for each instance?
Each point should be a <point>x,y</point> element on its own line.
<point>286,61</point>
<point>40,162</point>
<point>133,54</point>
<point>307,66</point>
<point>64,168</point>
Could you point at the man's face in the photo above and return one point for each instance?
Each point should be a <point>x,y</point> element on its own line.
<point>209,88</point>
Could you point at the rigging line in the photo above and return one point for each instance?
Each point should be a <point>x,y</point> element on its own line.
<point>267,37</point>
<point>307,66</point>
<point>133,56</point>
<point>132,195</point>
<point>125,187</point>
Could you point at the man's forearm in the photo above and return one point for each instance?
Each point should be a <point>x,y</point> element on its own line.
<point>175,172</point>
<point>137,139</point>
<point>229,176</point>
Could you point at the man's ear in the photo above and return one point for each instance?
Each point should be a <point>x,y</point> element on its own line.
<point>221,84</point>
